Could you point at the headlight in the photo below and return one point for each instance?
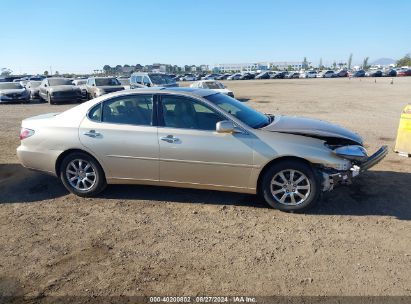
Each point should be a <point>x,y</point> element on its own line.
<point>354,152</point>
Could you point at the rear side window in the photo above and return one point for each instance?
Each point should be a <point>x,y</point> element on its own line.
<point>131,109</point>
<point>95,113</point>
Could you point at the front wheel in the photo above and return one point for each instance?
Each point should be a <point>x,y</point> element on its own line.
<point>290,186</point>
<point>50,100</point>
<point>82,175</point>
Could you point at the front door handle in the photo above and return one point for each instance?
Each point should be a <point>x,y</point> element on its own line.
<point>92,133</point>
<point>169,138</point>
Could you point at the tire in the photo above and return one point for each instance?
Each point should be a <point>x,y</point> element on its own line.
<point>75,181</point>
<point>49,100</point>
<point>299,196</point>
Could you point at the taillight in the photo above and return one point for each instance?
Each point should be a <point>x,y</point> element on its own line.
<point>24,133</point>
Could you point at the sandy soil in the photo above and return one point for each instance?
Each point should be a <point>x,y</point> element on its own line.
<point>140,240</point>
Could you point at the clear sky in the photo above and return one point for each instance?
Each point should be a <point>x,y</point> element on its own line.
<point>79,36</point>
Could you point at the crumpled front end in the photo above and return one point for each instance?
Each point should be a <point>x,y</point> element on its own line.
<point>360,163</point>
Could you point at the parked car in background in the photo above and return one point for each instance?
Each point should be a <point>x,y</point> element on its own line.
<point>247,76</point>
<point>212,85</point>
<point>329,74</point>
<point>311,74</point>
<point>224,76</point>
<point>98,86</point>
<point>125,82</point>
<point>401,72</point>
<point>263,75</point>
<point>198,139</point>
<point>210,77</point>
<point>33,87</point>
<point>56,90</point>
<point>390,73</point>
<point>374,73</point>
<point>141,79</point>
<point>360,73</point>
<point>189,77</point>
<point>404,72</point>
<point>279,75</point>
<point>293,75</point>
<point>81,83</point>
<point>235,76</point>
<point>342,73</point>
<point>11,92</point>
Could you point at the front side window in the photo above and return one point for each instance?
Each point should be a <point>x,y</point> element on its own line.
<point>146,81</point>
<point>187,113</point>
<point>132,110</point>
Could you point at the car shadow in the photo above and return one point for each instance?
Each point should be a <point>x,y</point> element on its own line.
<point>385,193</point>
<point>21,185</point>
<point>379,193</point>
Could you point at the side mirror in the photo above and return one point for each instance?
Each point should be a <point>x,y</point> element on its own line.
<point>45,85</point>
<point>225,126</point>
<point>93,85</point>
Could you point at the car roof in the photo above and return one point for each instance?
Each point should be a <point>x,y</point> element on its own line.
<point>184,91</point>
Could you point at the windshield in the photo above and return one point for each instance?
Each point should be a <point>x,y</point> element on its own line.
<point>57,82</point>
<point>34,84</point>
<point>124,81</point>
<point>247,115</point>
<point>107,82</point>
<point>10,86</point>
<point>213,85</point>
<point>161,79</point>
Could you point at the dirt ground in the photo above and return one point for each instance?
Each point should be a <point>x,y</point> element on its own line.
<point>141,240</point>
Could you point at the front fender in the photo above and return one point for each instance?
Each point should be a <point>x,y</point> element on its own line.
<point>272,145</point>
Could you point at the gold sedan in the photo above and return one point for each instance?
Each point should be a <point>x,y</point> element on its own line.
<point>192,138</point>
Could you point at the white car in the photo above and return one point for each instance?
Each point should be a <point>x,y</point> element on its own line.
<point>329,74</point>
<point>212,85</point>
<point>311,74</point>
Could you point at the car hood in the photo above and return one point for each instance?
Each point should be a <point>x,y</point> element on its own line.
<point>12,91</point>
<point>64,88</point>
<point>312,128</point>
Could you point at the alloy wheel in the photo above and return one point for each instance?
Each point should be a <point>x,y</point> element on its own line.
<point>290,187</point>
<point>81,174</point>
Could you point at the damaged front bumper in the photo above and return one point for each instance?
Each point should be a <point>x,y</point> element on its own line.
<point>332,178</point>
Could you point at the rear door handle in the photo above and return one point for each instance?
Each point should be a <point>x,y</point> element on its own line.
<point>169,138</point>
<point>92,133</point>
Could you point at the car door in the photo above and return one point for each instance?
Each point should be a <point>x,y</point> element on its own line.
<point>192,152</point>
<point>121,133</point>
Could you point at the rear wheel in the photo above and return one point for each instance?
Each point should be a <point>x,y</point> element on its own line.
<point>290,186</point>
<point>82,175</point>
